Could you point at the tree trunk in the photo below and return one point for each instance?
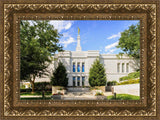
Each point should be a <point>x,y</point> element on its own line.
<point>32,82</point>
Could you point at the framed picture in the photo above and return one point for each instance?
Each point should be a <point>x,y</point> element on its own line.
<point>79,60</point>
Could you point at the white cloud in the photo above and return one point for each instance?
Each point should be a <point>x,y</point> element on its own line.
<point>115,36</point>
<point>111,51</point>
<point>68,26</point>
<point>61,24</point>
<point>68,41</point>
<point>108,47</point>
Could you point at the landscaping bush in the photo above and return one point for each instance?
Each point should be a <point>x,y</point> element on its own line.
<point>132,75</point>
<point>99,93</point>
<point>111,83</point>
<point>59,77</point>
<point>39,86</point>
<point>26,90</point>
<point>97,75</point>
<point>22,87</point>
<point>129,82</point>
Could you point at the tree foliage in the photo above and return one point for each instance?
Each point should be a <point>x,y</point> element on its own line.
<point>97,75</point>
<point>59,77</point>
<point>39,41</point>
<point>129,41</point>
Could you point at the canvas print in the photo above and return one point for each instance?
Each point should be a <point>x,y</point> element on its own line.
<point>80,60</point>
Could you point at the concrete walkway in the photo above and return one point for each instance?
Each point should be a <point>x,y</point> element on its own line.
<point>72,96</point>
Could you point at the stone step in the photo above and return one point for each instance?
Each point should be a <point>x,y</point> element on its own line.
<point>79,93</point>
<point>77,89</point>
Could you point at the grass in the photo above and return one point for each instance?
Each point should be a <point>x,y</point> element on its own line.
<point>129,82</point>
<point>38,98</point>
<point>132,75</point>
<point>123,97</point>
<point>35,93</point>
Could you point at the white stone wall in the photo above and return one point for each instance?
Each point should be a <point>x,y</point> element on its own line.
<point>88,57</point>
<point>133,89</point>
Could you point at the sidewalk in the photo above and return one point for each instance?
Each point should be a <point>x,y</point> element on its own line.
<point>71,96</point>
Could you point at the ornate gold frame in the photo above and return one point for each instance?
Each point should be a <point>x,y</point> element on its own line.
<point>148,12</point>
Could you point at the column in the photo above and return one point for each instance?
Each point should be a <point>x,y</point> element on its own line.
<point>76,81</point>
<point>80,80</point>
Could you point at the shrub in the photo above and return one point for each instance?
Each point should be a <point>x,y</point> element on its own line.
<point>59,77</point>
<point>129,82</point>
<point>111,83</point>
<point>22,87</point>
<point>39,86</point>
<point>132,75</point>
<point>98,93</point>
<point>25,90</point>
<point>97,76</point>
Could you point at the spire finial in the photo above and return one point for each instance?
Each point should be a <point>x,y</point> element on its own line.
<point>78,48</point>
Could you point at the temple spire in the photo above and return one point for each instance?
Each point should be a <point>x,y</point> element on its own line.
<point>78,48</point>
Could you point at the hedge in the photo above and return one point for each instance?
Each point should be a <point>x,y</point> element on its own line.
<point>129,82</point>
<point>130,76</point>
<point>111,83</point>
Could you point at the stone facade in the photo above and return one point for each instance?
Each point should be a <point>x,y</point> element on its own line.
<point>78,64</point>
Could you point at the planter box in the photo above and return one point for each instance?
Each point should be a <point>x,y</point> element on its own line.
<point>95,91</point>
<point>103,88</point>
<point>101,97</point>
<point>57,97</point>
<point>61,91</point>
<point>55,88</point>
<point>108,88</point>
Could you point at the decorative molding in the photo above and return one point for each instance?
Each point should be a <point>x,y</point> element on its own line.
<point>81,12</point>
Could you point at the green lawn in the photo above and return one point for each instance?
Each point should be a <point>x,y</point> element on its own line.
<point>35,93</point>
<point>123,97</point>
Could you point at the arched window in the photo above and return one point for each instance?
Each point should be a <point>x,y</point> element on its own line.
<point>74,67</point>
<point>78,81</point>
<point>82,67</point>
<point>127,67</point>
<point>118,67</point>
<point>83,80</point>
<point>122,67</point>
<point>78,67</point>
<point>74,81</point>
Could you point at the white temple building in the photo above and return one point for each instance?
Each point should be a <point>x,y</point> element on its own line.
<point>78,64</point>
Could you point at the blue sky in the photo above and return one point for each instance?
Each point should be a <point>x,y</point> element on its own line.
<point>102,35</point>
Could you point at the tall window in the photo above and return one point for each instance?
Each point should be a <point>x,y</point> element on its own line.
<point>118,67</point>
<point>82,67</point>
<point>78,81</point>
<point>122,67</point>
<point>127,67</point>
<point>74,81</point>
<point>78,67</point>
<point>83,80</point>
<point>74,67</point>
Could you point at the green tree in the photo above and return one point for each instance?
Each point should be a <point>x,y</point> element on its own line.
<point>97,75</point>
<point>129,41</point>
<point>59,77</point>
<point>39,41</point>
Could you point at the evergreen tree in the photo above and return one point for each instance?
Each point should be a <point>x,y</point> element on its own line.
<point>97,76</point>
<point>59,77</point>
